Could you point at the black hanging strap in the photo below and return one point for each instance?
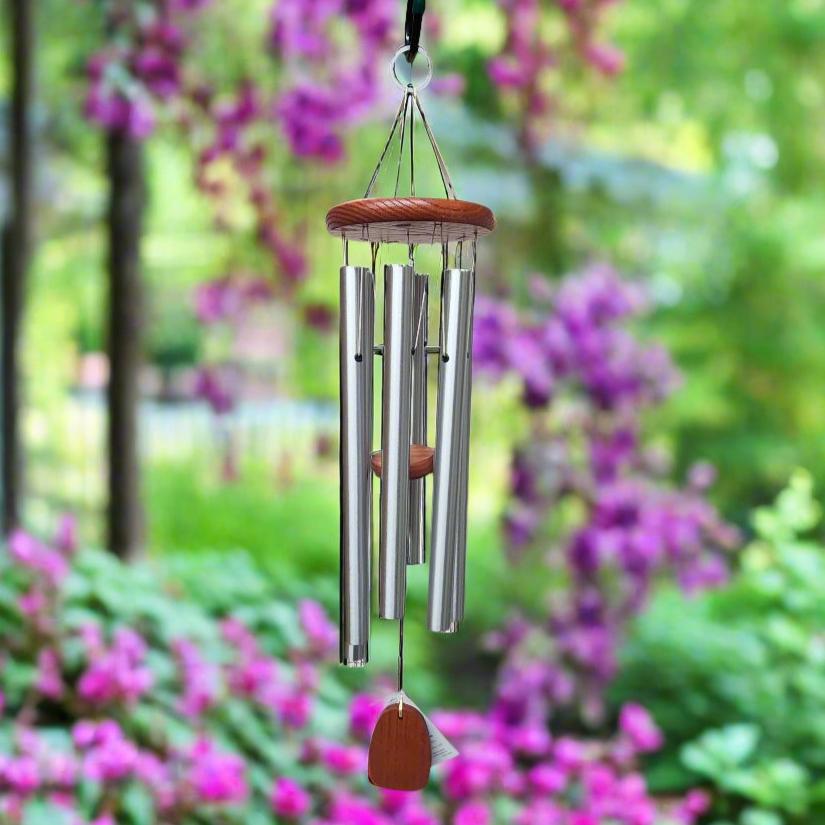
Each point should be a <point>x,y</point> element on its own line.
<point>412,27</point>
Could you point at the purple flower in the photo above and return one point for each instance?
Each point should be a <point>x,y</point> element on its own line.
<point>701,475</point>
<point>213,387</point>
<point>309,115</point>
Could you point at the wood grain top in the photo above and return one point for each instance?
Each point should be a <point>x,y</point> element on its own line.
<point>410,220</point>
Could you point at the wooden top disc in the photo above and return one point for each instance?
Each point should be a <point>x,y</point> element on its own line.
<point>400,755</point>
<point>410,220</point>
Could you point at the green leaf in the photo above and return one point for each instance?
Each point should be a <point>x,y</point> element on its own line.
<point>138,805</point>
<point>759,816</point>
<point>718,751</point>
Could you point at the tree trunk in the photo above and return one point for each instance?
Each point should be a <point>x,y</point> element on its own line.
<point>16,252</point>
<point>127,200</point>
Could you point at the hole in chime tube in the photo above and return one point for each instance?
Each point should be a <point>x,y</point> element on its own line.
<point>408,462</point>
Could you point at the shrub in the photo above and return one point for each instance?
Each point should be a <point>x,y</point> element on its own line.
<point>736,677</point>
<point>134,697</point>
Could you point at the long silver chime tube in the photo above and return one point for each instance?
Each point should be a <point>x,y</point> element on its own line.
<point>463,489</point>
<point>416,553</point>
<point>395,440</point>
<point>356,393</point>
<point>451,427</point>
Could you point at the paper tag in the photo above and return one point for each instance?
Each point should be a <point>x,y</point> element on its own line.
<point>441,747</point>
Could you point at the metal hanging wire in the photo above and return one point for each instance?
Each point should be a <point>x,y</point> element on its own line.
<point>409,104</point>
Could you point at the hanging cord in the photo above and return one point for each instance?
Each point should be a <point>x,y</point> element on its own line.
<point>412,27</point>
<point>401,667</point>
<point>446,180</point>
<point>412,148</point>
<point>407,94</point>
<point>399,115</point>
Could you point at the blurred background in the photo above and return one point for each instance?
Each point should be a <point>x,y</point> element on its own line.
<point>646,580</point>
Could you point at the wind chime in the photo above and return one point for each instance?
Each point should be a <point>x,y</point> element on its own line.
<point>405,744</point>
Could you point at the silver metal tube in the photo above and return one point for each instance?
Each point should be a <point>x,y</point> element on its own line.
<point>456,316</point>
<point>356,394</point>
<point>463,490</point>
<point>416,552</point>
<point>395,440</point>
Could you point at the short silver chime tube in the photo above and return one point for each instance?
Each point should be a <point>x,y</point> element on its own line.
<point>356,379</point>
<point>449,474</point>
<point>416,553</point>
<point>396,406</point>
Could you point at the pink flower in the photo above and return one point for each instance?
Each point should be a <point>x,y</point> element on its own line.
<point>294,709</point>
<point>472,813</point>
<point>638,725</point>
<point>22,775</point>
<point>254,677</point>
<point>239,636</point>
<point>49,678</point>
<point>416,814</point>
<point>86,733</point>
<point>114,758</point>
<point>694,804</point>
<point>394,801</point>
<point>289,799</point>
<point>33,602</point>
<point>216,777</point>
<point>541,812</point>
<point>532,740</point>
<point>583,818</point>
<point>546,778</point>
<point>28,552</point>
<point>200,679</point>
<point>606,58</point>
<point>364,710</point>
<point>116,674</point>
<point>449,85</point>
<point>347,809</point>
<point>157,776</point>
<point>61,770</point>
<point>468,774</point>
<point>460,724</point>
<point>568,753</point>
<point>343,760</point>
<point>65,539</point>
